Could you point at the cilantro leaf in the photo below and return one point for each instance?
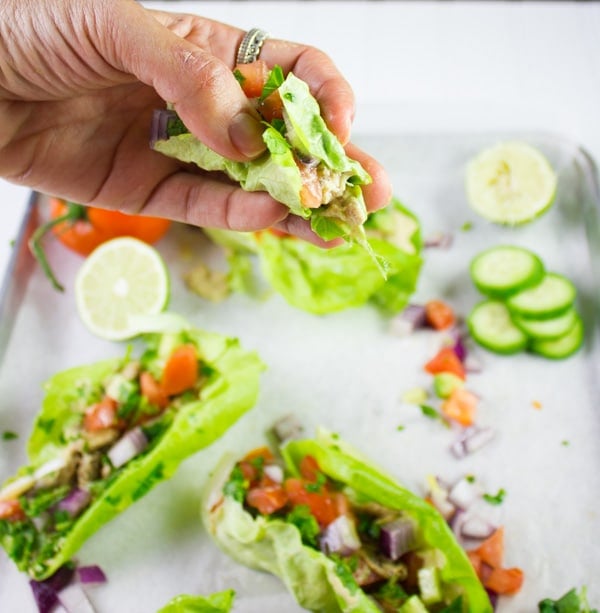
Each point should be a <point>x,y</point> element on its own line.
<point>274,80</point>
<point>495,498</point>
<point>301,517</point>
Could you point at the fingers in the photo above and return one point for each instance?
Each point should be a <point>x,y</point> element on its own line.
<point>200,86</point>
<point>379,192</point>
<point>301,228</point>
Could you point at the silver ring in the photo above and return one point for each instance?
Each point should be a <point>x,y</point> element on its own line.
<point>251,45</point>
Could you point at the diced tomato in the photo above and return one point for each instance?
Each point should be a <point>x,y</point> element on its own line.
<point>309,468</point>
<point>271,107</point>
<point>260,452</point>
<point>460,406</point>
<point>181,371</point>
<point>446,360</point>
<point>267,499</point>
<point>253,77</point>
<point>102,415</point>
<point>439,315</point>
<point>152,391</point>
<point>321,503</point>
<point>250,473</point>
<point>504,580</point>
<point>476,561</point>
<point>311,192</point>
<point>11,510</point>
<point>491,551</point>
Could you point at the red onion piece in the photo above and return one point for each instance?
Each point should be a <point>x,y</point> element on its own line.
<point>46,592</point>
<point>397,538</point>
<point>75,502</point>
<point>75,600</point>
<point>411,318</point>
<point>91,574</point>
<point>131,444</point>
<point>471,440</point>
<point>440,240</point>
<point>463,493</point>
<point>340,536</point>
<point>274,472</point>
<point>160,121</point>
<point>476,527</point>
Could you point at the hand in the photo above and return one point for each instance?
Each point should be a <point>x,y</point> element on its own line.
<point>79,80</point>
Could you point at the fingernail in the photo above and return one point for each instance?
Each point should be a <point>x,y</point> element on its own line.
<point>245,133</point>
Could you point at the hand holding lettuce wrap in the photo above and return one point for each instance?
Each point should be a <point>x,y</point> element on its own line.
<point>341,534</point>
<point>109,432</point>
<point>304,166</point>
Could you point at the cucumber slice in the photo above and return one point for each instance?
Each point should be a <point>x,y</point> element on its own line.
<point>491,326</point>
<point>562,347</point>
<point>547,329</point>
<point>551,297</point>
<point>504,270</point>
<point>510,183</point>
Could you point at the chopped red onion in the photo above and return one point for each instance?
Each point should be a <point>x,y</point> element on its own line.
<point>274,472</point>
<point>160,121</point>
<point>472,363</point>
<point>476,527</point>
<point>131,444</point>
<point>46,592</point>
<point>439,498</point>
<point>75,600</point>
<point>340,536</point>
<point>397,538</point>
<point>464,493</point>
<point>75,502</point>
<point>471,440</point>
<point>287,427</point>
<point>91,574</point>
<point>411,318</point>
<point>442,240</point>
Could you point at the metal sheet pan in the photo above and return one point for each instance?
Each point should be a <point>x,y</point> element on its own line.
<point>348,373</point>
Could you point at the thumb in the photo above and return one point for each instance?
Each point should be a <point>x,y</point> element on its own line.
<point>201,87</point>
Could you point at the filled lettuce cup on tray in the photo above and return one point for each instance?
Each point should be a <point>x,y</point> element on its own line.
<point>304,165</point>
<point>324,281</point>
<point>108,432</point>
<point>341,534</point>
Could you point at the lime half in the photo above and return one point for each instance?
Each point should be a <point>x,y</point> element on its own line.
<point>120,280</point>
<point>510,183</point>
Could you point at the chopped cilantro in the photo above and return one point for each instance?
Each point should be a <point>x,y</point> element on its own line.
<point>236,486</point>
<point>400,428</point>
<point>35,505</point>
<point>495,499</point>
<point>429,411</point>
<point>468,225</point>
<point>470,478</point>
<point>391,595</point>
<point>571,602</point>
<point>343,570</point>
<point>8,435</point>
<point>368,525</point>
<point>565,443</point>
<point>316,487</point>
<point>175,127</point>
<point>239,77</point>
<point>301,517</point>
<point>274,80</point>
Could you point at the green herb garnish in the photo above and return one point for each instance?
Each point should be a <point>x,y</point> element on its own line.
<point>495,499</point>
<point>306,523</point>
<point>8,435</point>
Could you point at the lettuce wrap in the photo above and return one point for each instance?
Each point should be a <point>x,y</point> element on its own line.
<point>219,602</point>
<point>341,534</point>
<point>328,280</point>
<point>107,433</point>
<point>304,165</point>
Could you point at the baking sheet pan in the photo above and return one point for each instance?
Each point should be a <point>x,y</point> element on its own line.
<point>347,372</point>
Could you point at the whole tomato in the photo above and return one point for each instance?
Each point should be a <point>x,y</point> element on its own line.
<point>83,228</point>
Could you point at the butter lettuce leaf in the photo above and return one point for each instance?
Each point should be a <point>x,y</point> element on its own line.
<point>219,602</point>
<point>230,390</point>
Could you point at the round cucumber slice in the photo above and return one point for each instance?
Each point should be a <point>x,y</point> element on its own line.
<point>547,329</point>
<point>562,347</point>
<point>506,269</point>
<point>551,297</point>
<point>510,183</point>
<point>491,326</point>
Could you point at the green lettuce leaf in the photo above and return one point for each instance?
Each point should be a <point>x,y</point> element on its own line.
<point>304,133</point>
<point>219,602</point>
<point>328,280</point>
<point>317,582</point>
<point>231,389</point>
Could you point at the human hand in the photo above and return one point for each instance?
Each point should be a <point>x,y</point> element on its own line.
<point>79,81</point>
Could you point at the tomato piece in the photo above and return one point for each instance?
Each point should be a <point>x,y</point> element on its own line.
<point>271,107</point>
<point>476,561</point>
<point>311,192</point>
<point>446,360</point>
<point>181,371</point>
<point>491,551</point>
<point>11,510</point>
<point>461,406</point>
<point>93,226</point>
<point>252,77</point>
<point>152,391</point>
<point>267,499</point>
<point>101,415</point>
<point>439,314</point>
<point>261,452</point>
<point>504,580</point>
<point>321,503</point>
<point>309,468</point>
